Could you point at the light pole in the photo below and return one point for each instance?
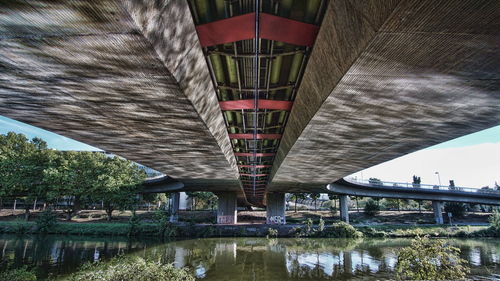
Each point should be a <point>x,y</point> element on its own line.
<point>439,178</point>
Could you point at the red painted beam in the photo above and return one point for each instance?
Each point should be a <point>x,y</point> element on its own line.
<point>252,175</point>
<point>254,166</point>
<point>243,28</point>
<point>251,154</point>
<point>287,30</point>
<point>227,30</point>
<point>258,136</point>
<point>250,182</point>
<point>261,104</point>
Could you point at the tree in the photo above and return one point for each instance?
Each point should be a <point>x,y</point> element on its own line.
<point>201,197</point>
<point>314,196</point>
<point>371,208</point>
<point>357,198</point>
<point>118,184</point>
<point>206,199</point>
<point>416,181</point>
<point>22,165</point>
<point>296,196</point>
<point>334,198</point>
<point>419,202</point>
<point>457,209</point>
<point>74,178</point>
<point>391,203</point>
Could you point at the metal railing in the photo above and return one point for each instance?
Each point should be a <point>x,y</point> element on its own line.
<point>379,183</point>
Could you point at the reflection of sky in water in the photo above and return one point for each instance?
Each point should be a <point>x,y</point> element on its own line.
<point>327,261</point>
<point>200,271</point>
<point>475,257</point>
<point>237,259</point>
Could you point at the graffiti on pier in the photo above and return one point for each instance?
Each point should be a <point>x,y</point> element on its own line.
<point>225,219</point>
<point>276,220</point>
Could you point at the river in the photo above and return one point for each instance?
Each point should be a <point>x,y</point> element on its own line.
<point>239,258</point>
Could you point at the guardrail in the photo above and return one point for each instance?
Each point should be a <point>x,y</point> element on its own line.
<point>378,183</point>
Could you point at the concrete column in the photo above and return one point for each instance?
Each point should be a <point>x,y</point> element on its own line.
<point>183,200</point>
<point>174,207</point>
<point>226,211</point>
<point>344,208</point>
<point>438,212</point>
<point>275,208</point>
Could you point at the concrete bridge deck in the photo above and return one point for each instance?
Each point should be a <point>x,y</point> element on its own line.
<point>416,192</point>
<point>135,78</point>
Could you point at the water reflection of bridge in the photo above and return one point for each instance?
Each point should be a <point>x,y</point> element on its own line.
<point>239,258</point>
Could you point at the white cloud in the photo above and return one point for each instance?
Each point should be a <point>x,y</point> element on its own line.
<point>469,166</point>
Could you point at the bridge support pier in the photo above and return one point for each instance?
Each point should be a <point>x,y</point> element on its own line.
<point>344,208</point>
<point>275,209</point>
<point>174,206</point>
<point>226,211</point>
<point>438,211</point>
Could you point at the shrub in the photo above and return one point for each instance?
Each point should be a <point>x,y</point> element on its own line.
<point>272,232</point>
<point>134,225</point>
<point>165,228</point>
<point>321,225</point>
<point>495,220</point>
<point>18,274</point>
<point>341,230</point>
<point>428,259</point>
<point>455,208</point>
<point>46,220</point>
<point>333,210</point>
<point>309,226</point>
<point>20,227</point>
<point>371,208</point>
<point>371,232</point>
<point>131,269</point>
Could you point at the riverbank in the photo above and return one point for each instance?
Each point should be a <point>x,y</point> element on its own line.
<point>340,230</point>
<point>258,217</point>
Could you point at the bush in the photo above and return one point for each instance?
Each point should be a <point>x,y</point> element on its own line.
<point>165,228</point>
<point>428,259</point>
<point>134,225</point>
<point>341,230</point>
<point>495,220</point>
<point>371,232</point>
<point>130,269</point>
<point>18,274</point>
<point>371,208</point>
<point>272,232</point>
<point>46,221</point>
<point>333,210</point>
<point>321,225</point>
<point>20,227</point>
<point>455,208</point>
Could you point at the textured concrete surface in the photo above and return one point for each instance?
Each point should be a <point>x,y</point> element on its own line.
<point>401,77</point>
<point>90,71</point>
<point>385,78</point>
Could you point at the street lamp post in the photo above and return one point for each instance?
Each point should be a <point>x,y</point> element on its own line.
<point>439,178</point>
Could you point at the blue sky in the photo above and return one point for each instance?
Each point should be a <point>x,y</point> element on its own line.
<point>54,141</point>
<point>471,161</point>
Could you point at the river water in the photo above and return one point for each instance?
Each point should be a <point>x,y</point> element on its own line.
<point>240,258</point>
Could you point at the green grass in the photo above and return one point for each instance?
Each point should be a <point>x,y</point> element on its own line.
<point>152,229</point>
<point>101,229</point>
<point>432,231</point>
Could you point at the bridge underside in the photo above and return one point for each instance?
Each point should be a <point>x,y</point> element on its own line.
<point>384,78</point>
